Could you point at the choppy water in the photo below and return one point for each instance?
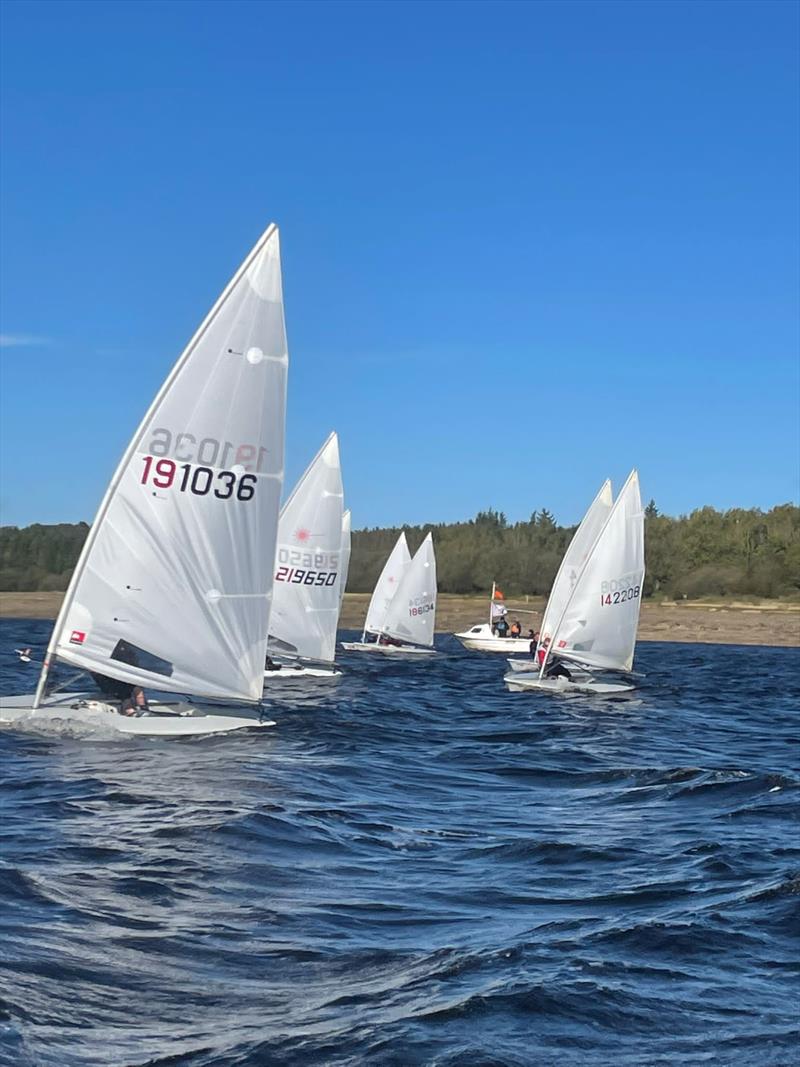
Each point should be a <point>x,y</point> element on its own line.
<point>415,867</point>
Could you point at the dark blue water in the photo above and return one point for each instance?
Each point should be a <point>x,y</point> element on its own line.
<point>415,867</point>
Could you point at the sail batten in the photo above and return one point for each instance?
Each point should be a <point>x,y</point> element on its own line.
<point>173,589</point>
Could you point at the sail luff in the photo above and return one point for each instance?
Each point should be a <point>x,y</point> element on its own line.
<point>345,555</point>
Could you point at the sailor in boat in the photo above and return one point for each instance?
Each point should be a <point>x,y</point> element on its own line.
<point>385,639</point>
<point>271,665</point>
<point>555,669</point>
<point>131,697</point>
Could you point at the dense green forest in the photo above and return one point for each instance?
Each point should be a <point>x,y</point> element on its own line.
<point>707,553</point>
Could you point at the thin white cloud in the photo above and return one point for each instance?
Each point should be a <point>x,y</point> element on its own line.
<point>22,340</point>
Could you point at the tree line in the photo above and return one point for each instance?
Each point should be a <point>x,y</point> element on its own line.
<point>707,553</point>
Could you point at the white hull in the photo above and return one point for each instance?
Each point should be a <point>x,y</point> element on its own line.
<point>526,666</point>
<point>290,671</point>
<point>481,639</point>
<point>518,682</point>
<point>388,650</point>
<point>85,710</point>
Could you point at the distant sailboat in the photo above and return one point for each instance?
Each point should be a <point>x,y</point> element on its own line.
<point>173,588</point>
<point>402,611</point>
<point>594,622</point>
<point>308,573</point>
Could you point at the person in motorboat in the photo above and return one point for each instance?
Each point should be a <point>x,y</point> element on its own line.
<point>516,628</point>
<point>534,642</point>
<point>501,627</point>
<point>498,615</point>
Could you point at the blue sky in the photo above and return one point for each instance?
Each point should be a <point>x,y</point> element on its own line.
<point>525,246</point>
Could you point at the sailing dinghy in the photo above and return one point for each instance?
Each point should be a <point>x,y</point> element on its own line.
<point>172,590</point>
<point>596,611</point>
<point>402,611</point>
<point>308,573</point>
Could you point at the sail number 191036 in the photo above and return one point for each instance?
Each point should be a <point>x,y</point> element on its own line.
<point>187,478</point>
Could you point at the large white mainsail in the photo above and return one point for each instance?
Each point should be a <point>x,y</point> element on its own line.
<point>387,585</point>
<point>411,615</point>
<point>599,621</point>
<point>173,587</point>
<point>308,563</point>
<point>574,558</point>
<point>344,563</point>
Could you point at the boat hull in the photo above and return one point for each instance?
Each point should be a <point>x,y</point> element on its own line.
<point>526,666</point>
<point>85,710</point>
<point>481,639</point>
<point>518,682</point>
<point>388,650</point>
<point>290,672</point>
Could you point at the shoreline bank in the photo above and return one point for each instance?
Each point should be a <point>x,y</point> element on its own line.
<point>773,623</point>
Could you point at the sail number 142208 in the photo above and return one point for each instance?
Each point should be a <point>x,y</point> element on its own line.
<point>618,596</point>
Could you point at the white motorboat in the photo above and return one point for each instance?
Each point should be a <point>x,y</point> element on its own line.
<point>482,638</point>
<point>173,587</point>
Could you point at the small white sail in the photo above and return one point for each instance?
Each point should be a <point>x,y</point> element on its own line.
<point>574,558</point>
<point>173,587</point>
<point>344,564</point>
<point>599,622</point>
<point>308,564</point>
<point>387,585</point>
<point>411,615</point>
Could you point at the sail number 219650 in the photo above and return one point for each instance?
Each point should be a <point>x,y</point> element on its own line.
<point>187,478</point>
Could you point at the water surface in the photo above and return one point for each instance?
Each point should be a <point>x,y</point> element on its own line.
<point>414,867</point>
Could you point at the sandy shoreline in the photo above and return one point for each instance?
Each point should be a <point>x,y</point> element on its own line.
<point>767,623</point>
